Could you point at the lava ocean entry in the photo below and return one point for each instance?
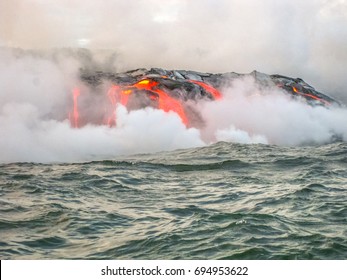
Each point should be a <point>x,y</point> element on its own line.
<point>174,90</point>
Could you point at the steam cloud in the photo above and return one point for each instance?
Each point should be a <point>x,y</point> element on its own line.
<point>304,39</point>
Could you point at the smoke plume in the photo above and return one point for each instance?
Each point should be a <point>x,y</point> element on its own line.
<point>304,39</point>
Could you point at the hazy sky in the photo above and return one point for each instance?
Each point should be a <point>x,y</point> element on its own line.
<point>299,38</point>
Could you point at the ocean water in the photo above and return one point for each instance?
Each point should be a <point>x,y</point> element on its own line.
<point>223,201</point>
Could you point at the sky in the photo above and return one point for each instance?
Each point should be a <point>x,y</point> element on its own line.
<point>305,39</point>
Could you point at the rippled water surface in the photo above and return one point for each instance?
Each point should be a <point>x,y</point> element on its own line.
<point>225,201</point>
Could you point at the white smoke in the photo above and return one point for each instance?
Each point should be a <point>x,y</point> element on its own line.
<point>28,138</point>
<point>249,114</point>
<point>296,38</point>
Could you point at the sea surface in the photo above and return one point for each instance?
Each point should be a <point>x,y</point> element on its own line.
<point>223,201</point>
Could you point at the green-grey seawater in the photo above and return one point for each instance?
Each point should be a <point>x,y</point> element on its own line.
<point>224,201</point>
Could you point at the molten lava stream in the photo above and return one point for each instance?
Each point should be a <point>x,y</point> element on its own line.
<point>111,119</point>
<point>74,117</point>
<point>311,96</point>
<point>165,101</point>
<point>167,104</point>
<point>120,94</point>
<point>210,89</point>
<point>114,94</point>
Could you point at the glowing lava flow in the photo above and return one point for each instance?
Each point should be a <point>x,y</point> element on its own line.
<point>114,94</point>
<point>310,96</point>
<point>215,93</point>
<point>165,102</point>
<point>75,115</point>
<point>152,89</point>
<point>170,91</point>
